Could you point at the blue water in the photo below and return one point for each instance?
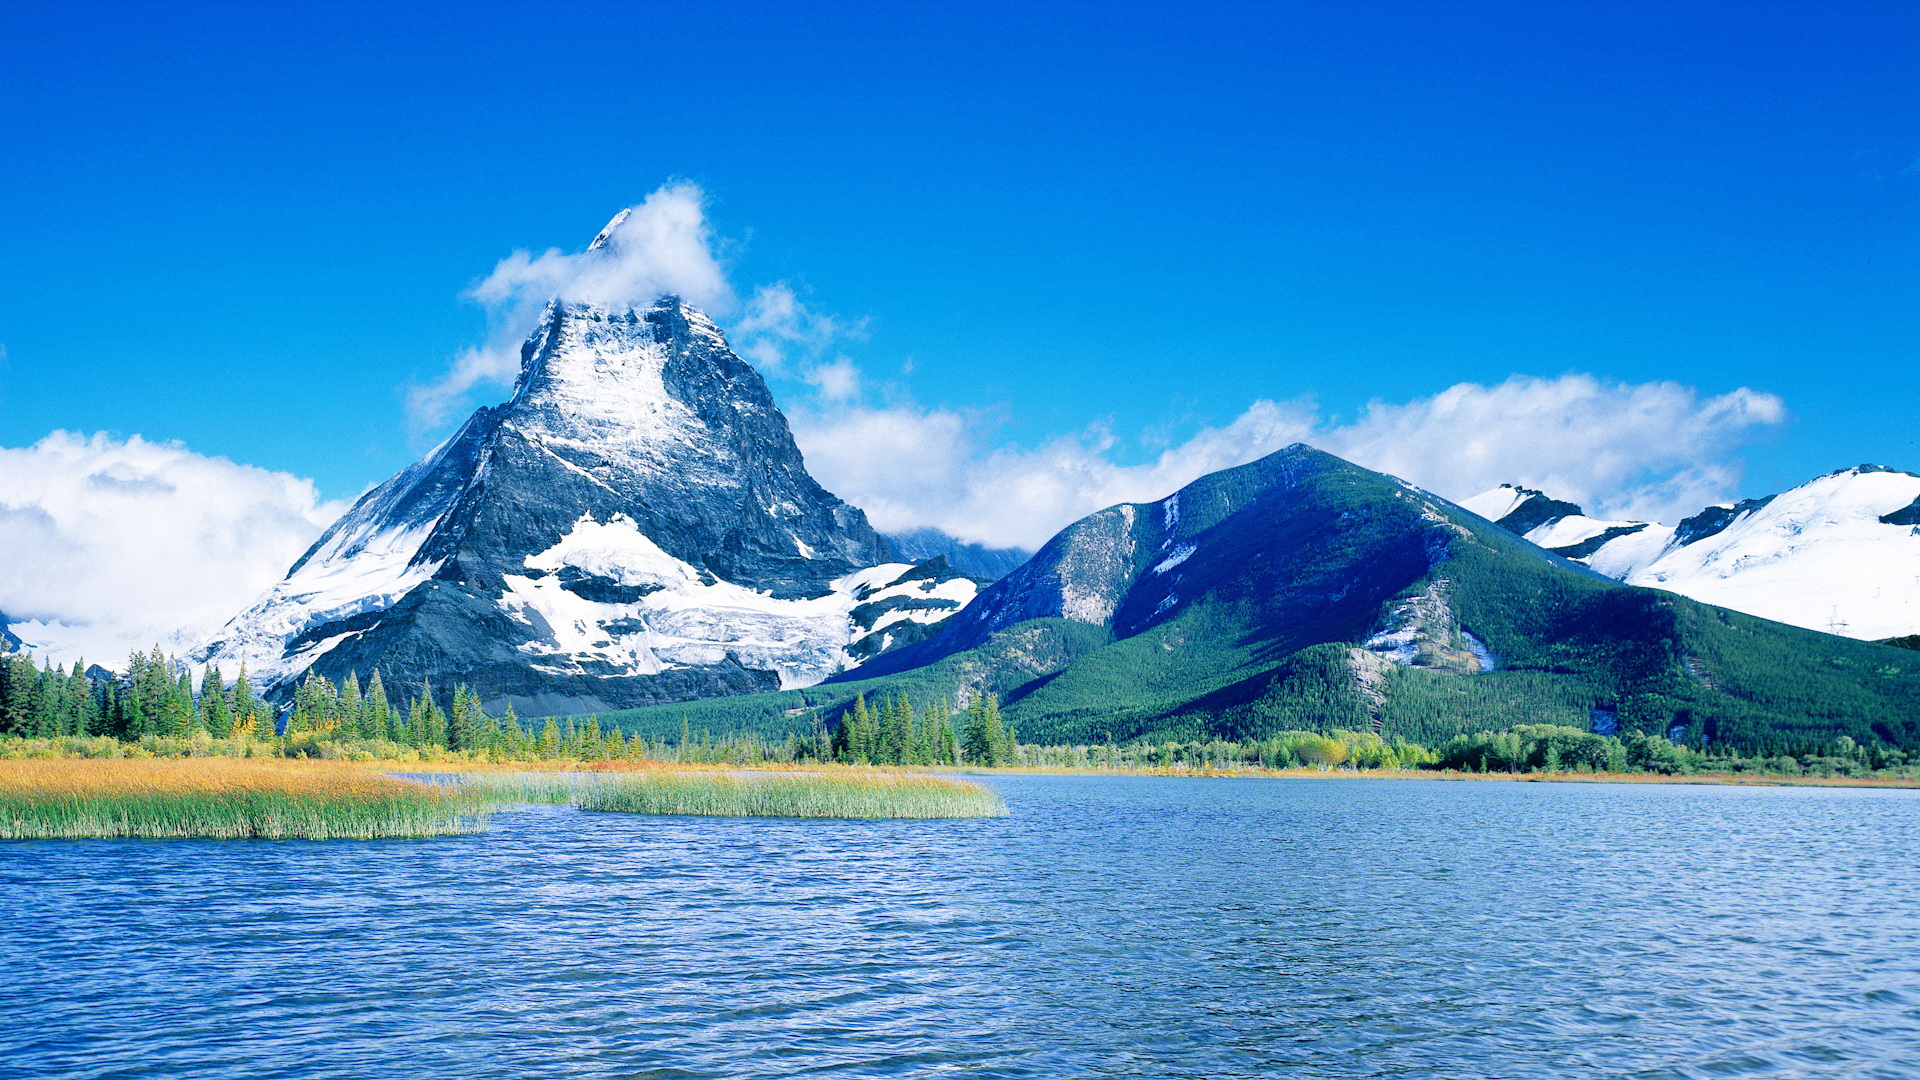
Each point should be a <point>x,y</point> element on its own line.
<point>1109,927</point>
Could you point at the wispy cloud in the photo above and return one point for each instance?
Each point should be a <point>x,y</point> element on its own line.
<point>1652,450</point>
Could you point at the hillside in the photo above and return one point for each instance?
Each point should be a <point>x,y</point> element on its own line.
<point>1302,591</point>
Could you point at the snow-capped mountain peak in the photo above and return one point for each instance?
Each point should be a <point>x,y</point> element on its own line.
<point>1840,553</point>
<point>634,525</point>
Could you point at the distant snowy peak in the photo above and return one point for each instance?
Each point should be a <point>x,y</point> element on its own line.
<point>973,560</point>
<point>1840,553</point>
<point>1617,549</point>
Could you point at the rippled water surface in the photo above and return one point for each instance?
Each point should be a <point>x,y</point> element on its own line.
<point>1109,927</point>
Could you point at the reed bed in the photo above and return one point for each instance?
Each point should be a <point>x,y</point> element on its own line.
<point>222,799</point>
<point>497,789</point>
<point>788,795</point>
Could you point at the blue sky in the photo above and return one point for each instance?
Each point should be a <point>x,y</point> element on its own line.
<point>250,230</point>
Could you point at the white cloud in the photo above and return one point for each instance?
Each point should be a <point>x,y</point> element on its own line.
<point>1645,450</point>
<point>836,381</point>
<point>1651,450</point>
<point>909,467</point>
<point>663,245</point>
<point>112,546</point>
<point>777,326</point>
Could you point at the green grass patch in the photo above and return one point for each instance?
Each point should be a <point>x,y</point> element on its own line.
<point>788,795</point>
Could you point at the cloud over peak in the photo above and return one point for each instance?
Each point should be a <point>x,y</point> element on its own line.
<point>661,245</point>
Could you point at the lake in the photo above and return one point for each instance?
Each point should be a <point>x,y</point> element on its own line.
<point>1111,926</point>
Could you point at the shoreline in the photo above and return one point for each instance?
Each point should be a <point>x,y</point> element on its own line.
<point>1445,776</point>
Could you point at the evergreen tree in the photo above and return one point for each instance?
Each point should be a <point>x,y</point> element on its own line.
<point>17,675</point>
<point>311,705</point>
<point>986,737</point>
<point>896,732</point>
<point>433,722</point>
<point>550,739</point>
<point>183,715</point>
<point>512,735</point>
<point>216,713</point>
<point>251,717</point>
<point>43,706</point>
<point>862,731</point>
<point>417,722</point>
<point>380,718</point>
<point>351,708</point>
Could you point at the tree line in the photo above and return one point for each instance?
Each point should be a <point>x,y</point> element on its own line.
<point>896,733</point>
<point>158,703</point>
<point>157,696</point>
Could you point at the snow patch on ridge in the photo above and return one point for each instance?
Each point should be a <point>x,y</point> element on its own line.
<point>1180,554</point>
<point>681,616</point>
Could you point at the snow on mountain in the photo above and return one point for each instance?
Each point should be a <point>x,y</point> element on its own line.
<point>634,526</point>
<point>1840,553</point>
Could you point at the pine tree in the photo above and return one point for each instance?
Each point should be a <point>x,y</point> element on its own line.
<point>948,743</point>
<point>183,714</point>
<point>43,706</point>
<point>112,716</point>
<point>216,714</point>
<point>351,708</point>
<point>896,732</point>
<point>433,722</point>
<point>417,722</point>
<point>379,715</point>
<point>17,675</point>
<point>311,705</point>
<point>986,737</point>
<point>550,739</point>
<point>512,735</point>
<point>250,716</point>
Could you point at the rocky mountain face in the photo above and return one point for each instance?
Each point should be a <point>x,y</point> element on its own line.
<point>634,526</point>
<point>1840,553</point>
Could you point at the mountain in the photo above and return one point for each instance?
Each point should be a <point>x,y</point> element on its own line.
<point>1302,591</point>
<point>1840,553</point>
<point>635,525</point>
<point>974,560</point>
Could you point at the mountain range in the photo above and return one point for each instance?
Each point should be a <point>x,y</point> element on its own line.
<point>1840,553</point>
<point>634,532</point>
<point>1302,591</point>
